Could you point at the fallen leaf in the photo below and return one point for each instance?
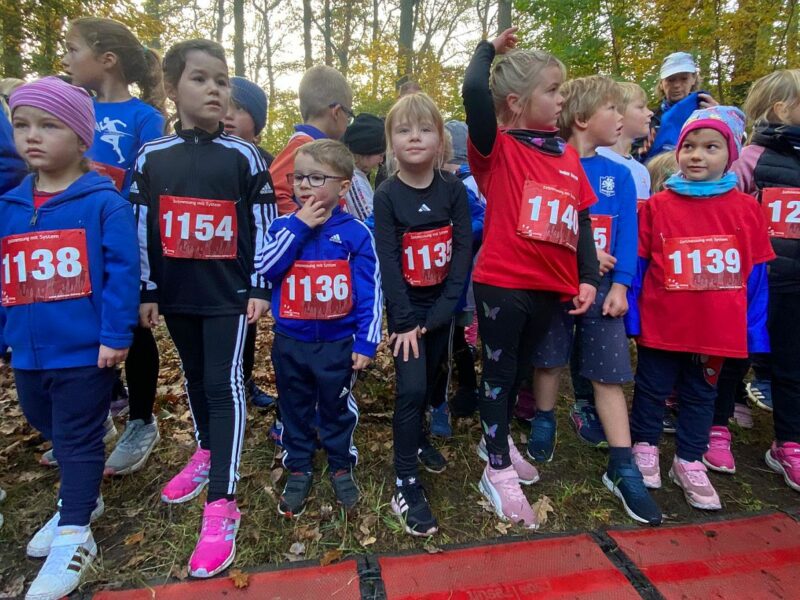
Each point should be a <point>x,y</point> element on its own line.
<point>240,579</point>
<point>502,527</point>
<point>14,587</point>
<point>309,533</point>
<point>134,538</point>
<point>431,549</point>
<point>180,573</point>
<point>28,476</point>
<point>276,474</point>
<point>486,505</point>
<point>540,509</point>
<point>368,541</point>
<point>325,512</point>
<point>297,548</point>
<point>329,557</point>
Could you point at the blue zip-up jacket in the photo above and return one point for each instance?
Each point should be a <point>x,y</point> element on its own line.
<point>12,167</point>
<point>616,197</point>
<point>341,237</point>
<point>672,120</point>
<point>68,333</point>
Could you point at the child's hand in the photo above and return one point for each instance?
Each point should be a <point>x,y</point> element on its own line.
<point>616,304</point>
<point>256,308</point>
<point>505,41</point>
<point>148,314</point>
<point>606,261</point>
<point>312,213</point>
<point>110,357</point>
<point>405,341</point>
<point>360,362</point>
<point>584,299</point>
<point>705,100</point>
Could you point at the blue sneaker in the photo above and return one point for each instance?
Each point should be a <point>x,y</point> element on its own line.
<point>276,433</point>
<point>440,421</point>
<point>587,425</point>
<point>257,396</point>
<point>759,391</point>
<point>542,443</point>
<point>626,483</point>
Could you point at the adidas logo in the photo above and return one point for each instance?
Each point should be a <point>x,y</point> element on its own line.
<point>80,560</point>
<point>336,240</point>
<point>267,189</point>
<point>424,208</point>
<point>344,393</point>
<point>134,189</point>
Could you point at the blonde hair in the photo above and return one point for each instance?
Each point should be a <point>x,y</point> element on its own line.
<point>583,97</point>
<point>658,92</point>
<point>8,85</point>
<point>661,167</point>
<point>330,153</point>
<point>629,93</point>
<point>320,87</point>
<point>414,108</point>
<point>780,86</point>
<point>518,72</point>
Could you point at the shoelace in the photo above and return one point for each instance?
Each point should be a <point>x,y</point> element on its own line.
<point>542,434</point>
<point>698,478</point>
<point>214,526</point>
<point>512,489</point>
<point>413,494</point>
<point>792,456</point>
<point>195,466</point>
<point>646,460</point>
<point>718,442</point>
<point>126,440</point>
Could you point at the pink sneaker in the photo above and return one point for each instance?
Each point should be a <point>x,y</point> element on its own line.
<point>190,481</point>
<point>526,472</point>
<point>785,458</point>
<point>526,405</point>
<point>216,548</point>
<point>646,458</point>
<point>719,457</point>
<point>692,478</point>
<point>501,488</point>
<point>743,416</point>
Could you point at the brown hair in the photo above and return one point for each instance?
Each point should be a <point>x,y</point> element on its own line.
<point>583,97</point>
<point>175,58</point>
<point>661,167</point>
<point>140,65</point>
<point>331,153</point>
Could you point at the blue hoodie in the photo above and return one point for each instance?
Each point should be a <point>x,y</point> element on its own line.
<point>672,120</point>
<point>341,237</point>
<point>12,167</point>
<point>68,333</point>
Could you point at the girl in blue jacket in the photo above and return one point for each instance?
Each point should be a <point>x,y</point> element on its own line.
<point>69,291</point>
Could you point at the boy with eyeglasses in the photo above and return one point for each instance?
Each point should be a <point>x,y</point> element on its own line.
<point>327,305</point>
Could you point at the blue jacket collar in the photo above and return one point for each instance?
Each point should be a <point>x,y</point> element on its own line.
<point>310,130</point>
<point>87,183</point>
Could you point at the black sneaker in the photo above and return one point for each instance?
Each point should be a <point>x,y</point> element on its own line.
<point>410,504</point>
<point>257,396</point>
<point>626,483</point>
<point>464,403</point>
<point>295,495</point>
<point>669,423</point>
<point>345,488</point>
<point>431,458</point>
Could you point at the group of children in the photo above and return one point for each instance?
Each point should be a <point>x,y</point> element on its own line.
<point>526,216</point>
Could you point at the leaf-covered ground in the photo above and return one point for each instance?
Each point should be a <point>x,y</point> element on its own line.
<point>143,540</point>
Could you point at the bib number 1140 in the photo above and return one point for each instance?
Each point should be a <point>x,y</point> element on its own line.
<point>548,214</point>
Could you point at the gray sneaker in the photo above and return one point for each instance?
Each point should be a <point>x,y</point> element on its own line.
<point>48,459</point>
<point>134,446</point>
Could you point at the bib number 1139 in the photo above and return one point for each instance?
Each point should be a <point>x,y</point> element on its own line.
<point>702,263</point>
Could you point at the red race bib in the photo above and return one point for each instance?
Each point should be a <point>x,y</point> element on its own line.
<point>116,174</point>
<point>548,214</point>
<point>601,228</point>
<point>427,255</point>
<point>702,263</point>
<point>45,266</point>
<point>781,207</point>
<point>317,289</point>
<point>198,228</point>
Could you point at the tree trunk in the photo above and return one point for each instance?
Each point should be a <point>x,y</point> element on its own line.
<point>153,10</point>
<point>270,69</point>
<point>375,35</point>
<point>307,19</point>
<point>503,15</point>
<point>220,20</point>
<point>326,34</point>
<point>11,13</point>
<point>343,51</point>
<point>238,38</point>
<point>405,52</point>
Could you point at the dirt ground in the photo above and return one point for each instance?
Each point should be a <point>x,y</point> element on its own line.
<point>143,540</point>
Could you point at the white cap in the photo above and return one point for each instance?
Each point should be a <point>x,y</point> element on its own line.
<point>677,62</point>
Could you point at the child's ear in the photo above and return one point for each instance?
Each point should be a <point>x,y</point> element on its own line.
<point>781,110</point>
<point>346,183</point>
<point>171,92</point>
<point>514,104</point>
<point>109,60</point>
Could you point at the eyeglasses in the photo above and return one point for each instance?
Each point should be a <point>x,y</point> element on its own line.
<point>314,179</point>
<point>350,114</point>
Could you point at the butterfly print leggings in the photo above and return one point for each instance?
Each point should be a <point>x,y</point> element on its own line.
<point>510,323</point>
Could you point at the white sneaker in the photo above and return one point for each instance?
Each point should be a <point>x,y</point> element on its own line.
<point>71,553</point>
<point>48,459</point>
<point>42,540</point>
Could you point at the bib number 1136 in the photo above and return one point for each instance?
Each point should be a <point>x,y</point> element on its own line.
<point>702,263</point>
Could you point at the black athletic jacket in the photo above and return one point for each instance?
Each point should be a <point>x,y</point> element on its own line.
<point>195,164</point>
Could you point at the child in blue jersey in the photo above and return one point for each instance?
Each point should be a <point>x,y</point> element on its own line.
<point>327,303</point>
<point>589,119</point>
<point>69,305</point>
<point>105,57</point>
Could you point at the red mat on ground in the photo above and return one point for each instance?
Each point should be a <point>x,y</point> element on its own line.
<point>757,557</point>
<point>567,567</point>
<point>339,581</point>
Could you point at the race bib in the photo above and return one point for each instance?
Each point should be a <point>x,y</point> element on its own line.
<point>548,214</point>
<point>116,174</point>
<point>702,263</point>
<point>45,266</point>
<point>317,289</point>
<point>781,207</point>
<point>601,229</point>
<point>197,228</point>
<point>427,255</point>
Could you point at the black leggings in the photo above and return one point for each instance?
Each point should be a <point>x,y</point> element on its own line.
<point>250,351</point>
<point>510,323</point>
<point>211,350</point>
<point>784,331</point>
<point>461,357</point>
<point>141,372</point>
<point>414,390</point>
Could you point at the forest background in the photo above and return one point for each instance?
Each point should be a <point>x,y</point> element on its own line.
<point>378,44</point>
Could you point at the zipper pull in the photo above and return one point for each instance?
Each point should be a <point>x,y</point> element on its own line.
<point>34,217</point>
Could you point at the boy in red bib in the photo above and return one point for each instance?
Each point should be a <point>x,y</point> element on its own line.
<point>701,294</point>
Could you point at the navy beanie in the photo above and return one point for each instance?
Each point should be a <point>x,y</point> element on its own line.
<point>365,135</point>
<point>250,97</point>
